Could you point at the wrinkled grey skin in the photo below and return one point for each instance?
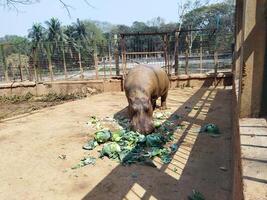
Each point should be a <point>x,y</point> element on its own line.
<point>143,86</point>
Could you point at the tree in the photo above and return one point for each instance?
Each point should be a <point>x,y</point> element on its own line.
<point>37,36</point>
<point>95,35</point>
<point>54,31</point>
<point>58,39</point>
<point>218,16</point>
<point>156,22</point>
<point>13,4</point>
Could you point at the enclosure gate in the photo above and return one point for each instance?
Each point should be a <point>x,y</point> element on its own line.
<point>167,49</point>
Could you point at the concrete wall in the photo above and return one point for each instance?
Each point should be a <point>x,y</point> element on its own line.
<point>249,92</point>
<point>113,85</point>
<point>195,80</point>
<point>250,54</point>
<point>63,87</point>
<point>237,184</point>
<point>264,95</point>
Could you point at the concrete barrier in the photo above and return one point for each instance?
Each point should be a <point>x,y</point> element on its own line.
<point>111,85</point>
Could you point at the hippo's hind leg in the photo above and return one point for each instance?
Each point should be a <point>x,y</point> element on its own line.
<point>163,101</point>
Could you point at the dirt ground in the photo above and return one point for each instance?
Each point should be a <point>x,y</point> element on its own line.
<point>11,109</point>
<point>16,105</point>
<point>32,143</point>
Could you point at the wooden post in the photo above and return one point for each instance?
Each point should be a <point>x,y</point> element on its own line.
<point>201,52</point>
<point>104,67</point>
<point>186,61</point>
<point>110,67</point>
<point>186,55</point>
<point>11,67</point>
<point>124,59</point>
<point>5,68</point>
<point>109,59</point>
<point>80,64</point>
<point>64,63</point>
<point>96,65</point>
<point>215,63</point>
<point>20,68</point>
<point>165,49</point>
<point>116,56</point>
<point>34,64</point>
<point>176,54</point>
<point>50,67</point>
<point>27,68</point>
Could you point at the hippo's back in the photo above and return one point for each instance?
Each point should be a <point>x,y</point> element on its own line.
<point>152,80</point>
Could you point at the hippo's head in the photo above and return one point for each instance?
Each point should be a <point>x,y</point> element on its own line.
<point>141,112</point>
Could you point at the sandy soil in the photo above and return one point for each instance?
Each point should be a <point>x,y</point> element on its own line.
<point>32,143</point>
<point>13,109</point>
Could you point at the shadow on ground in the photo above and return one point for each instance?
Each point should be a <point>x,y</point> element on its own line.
<point>197,163</point>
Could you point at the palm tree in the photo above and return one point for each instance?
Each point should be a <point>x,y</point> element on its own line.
<point>80,36</point>
<point>36,33</point>
<point>80,32</point>
<point>56,35</point>
<point>53,31</point>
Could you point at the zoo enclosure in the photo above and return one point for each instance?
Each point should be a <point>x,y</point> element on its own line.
<point>178,52</point>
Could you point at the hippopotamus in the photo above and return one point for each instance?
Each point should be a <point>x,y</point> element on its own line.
<point>143,86</point>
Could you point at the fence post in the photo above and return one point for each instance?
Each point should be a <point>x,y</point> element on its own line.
<point>176,54</point>
<point>104,67</point>
<point>80,64</point>
<point>11,66</point>
<point>201,54</point>
<point>215,63</point>
<point>165,47</point>
<point>109,59</point>
<point>64,62</point>
<point>5,68</point>
<point>34,64</point>
<point>186,61</point>
<point>186,55</point>
<point>116,55</point>
<point>20,68</point>
<point>96,65</point>
<point>123,49</point>
<point>50,67</point>
<point>110,67</point>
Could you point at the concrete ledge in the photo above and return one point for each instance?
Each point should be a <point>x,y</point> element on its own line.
<point>17,84</point>
<point>221,79</point>
<point>108,85</point>
<point>253,138</point>
<point>63,87</point>
<point>201,76</point>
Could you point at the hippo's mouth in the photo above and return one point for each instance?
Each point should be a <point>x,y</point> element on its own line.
<point>142,126</point>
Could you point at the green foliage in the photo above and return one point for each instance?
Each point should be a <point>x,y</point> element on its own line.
<point>53,97</point>
<point>15,44</point>
<point>220,16</point>
<point>16,98</point>
<point>102,136</point>
<point>196,196</point>
<point>60,45</point>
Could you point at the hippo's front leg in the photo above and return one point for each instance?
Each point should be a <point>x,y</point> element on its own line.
<point>163,101</point>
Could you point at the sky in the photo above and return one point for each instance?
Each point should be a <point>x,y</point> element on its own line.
<point>14,22</point>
